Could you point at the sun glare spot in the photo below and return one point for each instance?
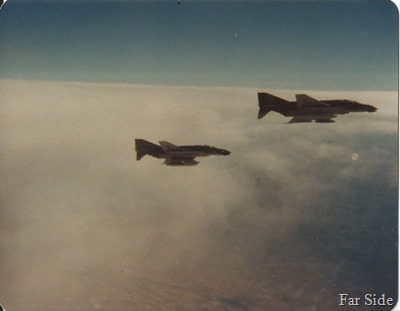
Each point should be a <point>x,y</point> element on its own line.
<point>354,156</point>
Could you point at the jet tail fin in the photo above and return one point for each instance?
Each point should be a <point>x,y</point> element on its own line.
<point>140,154</point>
<point>263,112</point>
<point>267,103</point>
<point>144,147</point>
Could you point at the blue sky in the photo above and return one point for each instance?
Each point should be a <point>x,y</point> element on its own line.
<point>337,45</point>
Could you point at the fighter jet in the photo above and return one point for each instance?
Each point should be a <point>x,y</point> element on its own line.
<point>308,109</point>
<point>175,155</point>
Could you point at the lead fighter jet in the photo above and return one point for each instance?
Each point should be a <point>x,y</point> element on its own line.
<point>175,155</point>
<point>308,109</point>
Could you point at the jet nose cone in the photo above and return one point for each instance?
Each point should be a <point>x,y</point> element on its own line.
<point>226,152</point>
<point>372,109</point>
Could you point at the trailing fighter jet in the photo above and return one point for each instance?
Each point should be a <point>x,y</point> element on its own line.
<point>308,109</point>
<point>175,155</point>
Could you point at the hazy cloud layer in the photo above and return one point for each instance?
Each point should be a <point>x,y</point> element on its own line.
<point>295,215</point>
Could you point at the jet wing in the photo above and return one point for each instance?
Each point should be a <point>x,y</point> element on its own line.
<point>304,100</point>
<point>167,146</point>
<point>300,119</point>
<point>318,118</point>
<point>180,161</point>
